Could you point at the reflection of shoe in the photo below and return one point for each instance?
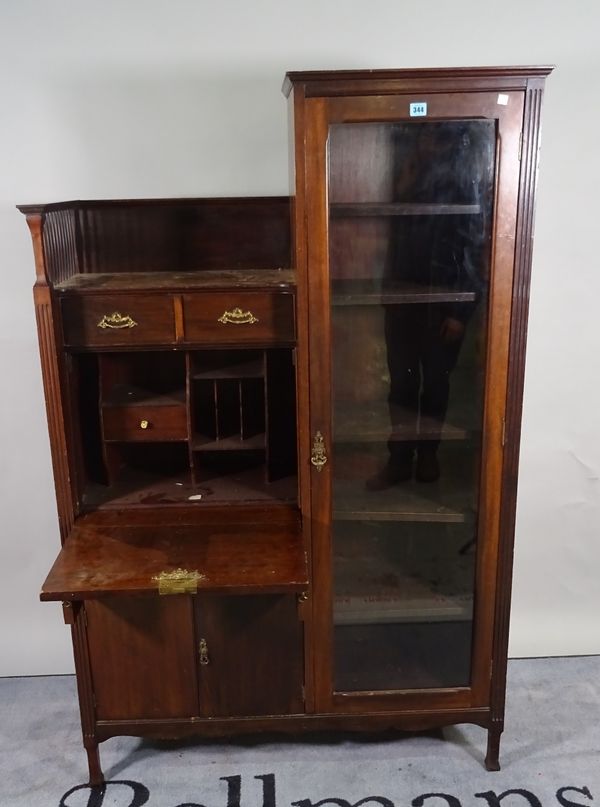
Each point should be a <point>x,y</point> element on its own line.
<point>395,471</point>
<point>428,466</point>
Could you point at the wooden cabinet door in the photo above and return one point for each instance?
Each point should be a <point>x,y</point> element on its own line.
<point>250,655</point>
<point>142,657</point>
<point>410,243</point>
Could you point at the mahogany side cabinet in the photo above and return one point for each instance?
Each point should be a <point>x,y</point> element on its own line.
<point>285,431</point>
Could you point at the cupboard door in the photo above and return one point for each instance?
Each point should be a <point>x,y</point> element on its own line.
<point>250,655</point>
<point>142,657</point>
<point>410,248</point>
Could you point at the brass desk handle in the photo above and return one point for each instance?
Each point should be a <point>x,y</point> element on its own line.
<point>144,424</point>
<point>238,317</point>
<point>117,321</point>
<point>318,457</point>
<point>204,659</point>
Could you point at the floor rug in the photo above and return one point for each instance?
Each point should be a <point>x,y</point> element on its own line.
<point>550,756</point>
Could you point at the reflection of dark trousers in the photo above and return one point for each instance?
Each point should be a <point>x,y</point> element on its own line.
<point>420,362</point>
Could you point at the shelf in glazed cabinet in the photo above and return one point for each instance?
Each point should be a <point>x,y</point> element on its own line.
<point>443,501</point>
<point>371,209</point>
<point>367,292</point>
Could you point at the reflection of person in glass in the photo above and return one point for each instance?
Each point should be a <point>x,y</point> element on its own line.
<point>435,163</point>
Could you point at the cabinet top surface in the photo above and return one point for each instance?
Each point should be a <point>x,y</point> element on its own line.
<point>432,74</point>
<point>164,281</point>
<point>221,202</point>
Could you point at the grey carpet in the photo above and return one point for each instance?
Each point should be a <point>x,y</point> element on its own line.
<point>550,752</point>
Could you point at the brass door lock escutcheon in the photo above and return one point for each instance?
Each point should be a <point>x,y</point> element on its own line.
<point>318,456</point>
<point>203,649</point>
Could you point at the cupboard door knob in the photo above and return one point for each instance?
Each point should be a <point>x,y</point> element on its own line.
<point>318,457</point>
<point>238,317</point>
<point>117,321</point>
<point>204,659</point>
<point>144,424</point>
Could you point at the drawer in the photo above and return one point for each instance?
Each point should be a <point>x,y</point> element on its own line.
<point>239,317</point>
<point>144,423</point>
<point>118,320</point>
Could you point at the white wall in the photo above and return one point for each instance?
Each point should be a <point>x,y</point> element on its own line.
<point>182,97</point>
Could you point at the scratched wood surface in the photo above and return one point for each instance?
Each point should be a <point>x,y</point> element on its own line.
<point>98,559</point>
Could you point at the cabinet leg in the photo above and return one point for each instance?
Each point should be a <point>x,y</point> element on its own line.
<point>93,756</point>
<point>492,762</point>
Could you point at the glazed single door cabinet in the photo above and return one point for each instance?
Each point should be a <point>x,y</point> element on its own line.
<point>413,206</point>
<point>285,431</point>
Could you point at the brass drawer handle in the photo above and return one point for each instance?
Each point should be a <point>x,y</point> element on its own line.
<point>238,317</point>
<point>204,659</point>
<point>144,424</point>
<point>117,321</point>
<point>318,457</point>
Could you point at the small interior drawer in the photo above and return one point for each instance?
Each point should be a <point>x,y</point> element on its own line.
<point>144,423</point>
<point>239,317</point>
<point>118,320</point>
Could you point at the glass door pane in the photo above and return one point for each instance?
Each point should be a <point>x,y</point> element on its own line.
<point>410,224</point>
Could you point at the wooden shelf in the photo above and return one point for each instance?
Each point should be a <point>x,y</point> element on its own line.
<point>377,586</point>
<point>172,281</point>
<point>372,425</point>
<point>368,292</point>
<point>369,609</point>
<point>128,395</point>
<point>234,443</point>
<point>443,501</point>
<point>140,490</point>
<point>253,368</point>
<point>344,209</point>
<point>98,560</point>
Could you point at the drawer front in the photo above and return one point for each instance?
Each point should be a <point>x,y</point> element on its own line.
<point>239,317</point>
<point>118,320</point>
<point>144,424</point>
